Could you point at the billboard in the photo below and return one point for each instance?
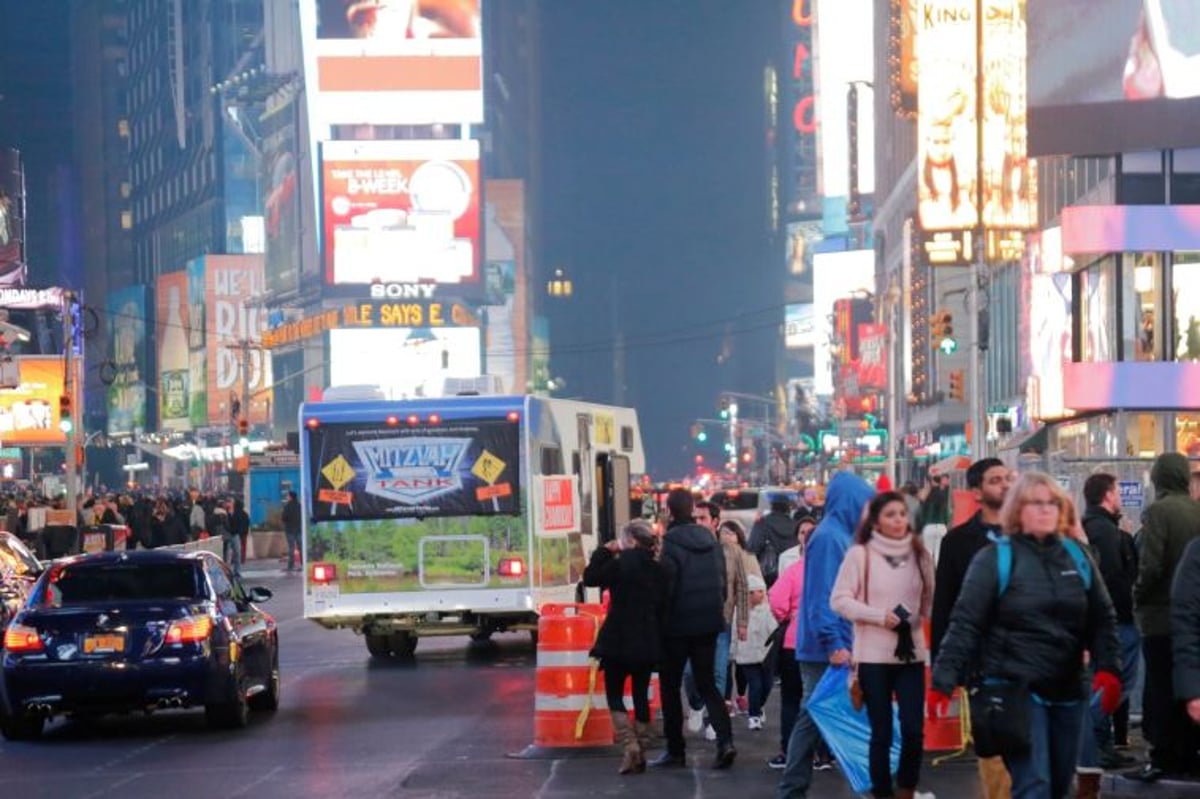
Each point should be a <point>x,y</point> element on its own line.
<point>467,467</point>
<point>504,284</point>
<point>836,275</point>
<point>12,219</point>
<point>947,139</point>
<point>29,413</point>
<point>401,211</point>
<point>399,62</point>
<point>419,359</point>
<point>172,330</point>
<point>1109,76</point>
<point>838,22</point>
<point>235,316</point>
<point>1009,177</point>
<point>799,327</point>
<point>282,206</point>
<point>801,191</point>
<point>128,359</point>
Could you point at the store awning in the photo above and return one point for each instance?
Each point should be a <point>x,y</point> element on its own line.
<point>1035,443</point>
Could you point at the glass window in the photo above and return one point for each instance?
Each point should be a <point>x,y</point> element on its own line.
<point>1097,312</point>
<point>1185,293</point>
<point>1187,434</point>
<point>1142,435</point>
<point>1141,284</point>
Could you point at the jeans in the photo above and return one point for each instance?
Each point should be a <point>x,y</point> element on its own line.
<point>231,550</point>
<point>721,661</point>
<point>1097,736</point>
<point>1048,768</point>
<point>1167,726</point>
<point>790,693</point>
<point>797,774</point>
<point>879,681</point>
<point>758,686</point>
<point>700,649</point>
<point>615,673</point>
<point>295,557</point>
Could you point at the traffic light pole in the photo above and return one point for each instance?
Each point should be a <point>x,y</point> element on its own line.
<point>71,391</point>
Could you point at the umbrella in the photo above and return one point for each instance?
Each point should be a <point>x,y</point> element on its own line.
<point>847,731</point>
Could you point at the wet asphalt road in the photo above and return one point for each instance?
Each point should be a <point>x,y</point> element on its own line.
<point>442,726</point>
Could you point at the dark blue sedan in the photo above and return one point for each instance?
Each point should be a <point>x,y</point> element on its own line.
<point>117,632</point>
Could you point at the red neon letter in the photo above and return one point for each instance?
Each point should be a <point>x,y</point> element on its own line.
<point>804,115</point>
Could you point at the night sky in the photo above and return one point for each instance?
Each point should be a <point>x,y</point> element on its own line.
<point>655,192</point>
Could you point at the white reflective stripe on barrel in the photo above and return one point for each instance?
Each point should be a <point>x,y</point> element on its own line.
<point>574,657</point>
<point>572,702</point>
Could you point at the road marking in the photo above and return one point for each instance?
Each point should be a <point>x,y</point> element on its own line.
<point>137,775</point>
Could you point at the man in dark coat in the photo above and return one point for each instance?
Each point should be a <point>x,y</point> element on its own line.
<point>1118,566</point>
<point>1172,523</point>
<point>771,535</point>
<point>1185,630</point>
<point>291,531</point>
<point>695,571</point>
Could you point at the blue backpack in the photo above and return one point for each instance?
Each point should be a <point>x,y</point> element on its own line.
<point>1004,559</point>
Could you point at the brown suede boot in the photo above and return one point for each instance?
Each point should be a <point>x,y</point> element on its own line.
<point>644,732</point>
<point>1087,786</point>
<point>633,761</point>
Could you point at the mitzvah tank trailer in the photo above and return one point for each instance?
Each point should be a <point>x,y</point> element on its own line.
<point>459,515</point>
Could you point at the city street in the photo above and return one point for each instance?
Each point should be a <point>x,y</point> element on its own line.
<point>445,725</point>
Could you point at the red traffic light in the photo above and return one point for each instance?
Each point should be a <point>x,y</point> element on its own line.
<point>243,426</point>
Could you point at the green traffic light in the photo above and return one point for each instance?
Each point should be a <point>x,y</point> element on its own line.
<point>948,346</point>
<point>66,426</point>
<point>702,436</point>
<point>724,415</point>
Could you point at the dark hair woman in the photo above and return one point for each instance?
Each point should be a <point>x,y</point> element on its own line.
<point>629,644</point>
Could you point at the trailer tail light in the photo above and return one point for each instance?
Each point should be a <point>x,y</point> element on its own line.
<point>511,567</point>
<point>192,630</point>
<point>312,424</point>
<point>19,639</point>
<point>323,573</point>
<point>393,421</point>
<point>513,416</point>
<point>435,418</point>
<point>413,420</point>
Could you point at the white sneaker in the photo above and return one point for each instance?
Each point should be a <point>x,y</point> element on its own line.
<point>754,722</point>
<point>709,733</point>
<point>924,795</point>
<point>695,721</point>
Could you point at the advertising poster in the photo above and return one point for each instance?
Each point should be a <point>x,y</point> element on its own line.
<point>419,359</point>
<point>1109,76</point>
<point>801,242</point>
<point>1009,180</point>
<point>171,332</point>
<point>947,147</point>
<point>29,413</point>
<point>799,326</point>
<point>282,206</point>
<point>801,190</point>
<point>12,219</point>
<point>397,62</point>
<point>836,275</point>
<point>505,292</point>
<point>872,356</point>
<point>197,344</point>
<point>376,471</point>
<point>401,212</point>
<point>233,288</point>
<point>128,355</point>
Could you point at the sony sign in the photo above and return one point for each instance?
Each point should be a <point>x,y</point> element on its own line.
<point>402,291</point>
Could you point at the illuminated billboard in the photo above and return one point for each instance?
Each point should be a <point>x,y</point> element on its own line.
<point>1109,76</point>
<point>401,212</point>
<point>128,372</point>
<point>12,219</point>
<point>233,286</point>
<point>799,326</point>
<point>836,275</point>
<point>418,361</point>
<point>504,281</point>
<point>1009,177</point>
<point>802,193</point>
<point>838,22</point>
<point>947,145</point>
<point>29,413</point>
<point>282,182</point>
<point>172,330</point>
<point>394,62</point>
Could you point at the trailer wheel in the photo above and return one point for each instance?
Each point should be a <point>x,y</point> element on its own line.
<point>481,636</point>
<point>379,644</point>
<point>404,644</point>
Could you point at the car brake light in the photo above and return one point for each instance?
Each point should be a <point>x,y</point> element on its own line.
<point>511,567</point>
<point>322,573</point>
<point>18,638</point>
<point>191,630</point>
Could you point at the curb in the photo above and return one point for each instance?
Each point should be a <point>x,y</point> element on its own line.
<point>1115,785</point>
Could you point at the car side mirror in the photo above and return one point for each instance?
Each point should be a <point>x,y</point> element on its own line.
<point>259,594</point>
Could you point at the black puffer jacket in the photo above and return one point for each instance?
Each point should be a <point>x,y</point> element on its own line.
<point>1172,522</point>
<point>637,586</point>
<point>780,531</point>
<point>1037,631</point>
<point>1117,556</point>
<point>695,568</point>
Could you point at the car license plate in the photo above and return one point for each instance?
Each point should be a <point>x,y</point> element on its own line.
<point>102,644</point>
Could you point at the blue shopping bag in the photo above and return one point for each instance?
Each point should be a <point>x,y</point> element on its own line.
<point>847,731</point>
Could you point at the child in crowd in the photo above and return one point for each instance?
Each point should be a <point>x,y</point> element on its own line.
<point>750,653</point>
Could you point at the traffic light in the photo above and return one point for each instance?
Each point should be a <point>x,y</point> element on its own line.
<point>724,408</point>
<point>243,426</point>
<point>941,331</point>
<point>956,385</point>
<point>65,422</point>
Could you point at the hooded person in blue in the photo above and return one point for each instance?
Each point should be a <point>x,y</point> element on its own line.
<point>822,636</point>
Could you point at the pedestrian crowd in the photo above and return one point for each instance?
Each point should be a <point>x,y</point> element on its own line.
<point>1032,613</point>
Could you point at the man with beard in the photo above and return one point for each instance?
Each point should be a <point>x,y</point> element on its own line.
<point>989,479</point>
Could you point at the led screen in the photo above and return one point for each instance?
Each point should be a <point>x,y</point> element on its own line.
<point>404,363</point>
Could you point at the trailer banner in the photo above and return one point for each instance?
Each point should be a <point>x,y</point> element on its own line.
<point>414,469</point>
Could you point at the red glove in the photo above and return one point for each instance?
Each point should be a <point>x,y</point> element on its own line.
<point>1109,686</point>
<point>939,704</point>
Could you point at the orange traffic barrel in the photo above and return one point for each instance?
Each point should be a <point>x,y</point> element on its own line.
<point>947,733</point>
<point>569,710</point>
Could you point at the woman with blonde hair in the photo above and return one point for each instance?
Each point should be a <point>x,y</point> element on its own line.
<point>1032,604</point>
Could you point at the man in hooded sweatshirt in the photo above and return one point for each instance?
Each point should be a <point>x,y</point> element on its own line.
<point>1172,522</point>
<point>823,638</point>
<point>694,563</point>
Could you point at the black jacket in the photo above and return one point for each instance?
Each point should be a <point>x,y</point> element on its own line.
<point>291,517</point>
<point>1037,631</point>
<point>637,586</point>
<point>1118,558</point>
<point>779,530</point>
<point>1185,624</point>
<point>958,548</point>
<point>695,567</point>
<point>1172,522</point>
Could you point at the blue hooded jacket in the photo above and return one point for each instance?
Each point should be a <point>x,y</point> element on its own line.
<point>820,631</point>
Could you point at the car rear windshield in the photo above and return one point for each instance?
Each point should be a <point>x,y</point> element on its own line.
<point>736,500</point>
<point>77,584</point>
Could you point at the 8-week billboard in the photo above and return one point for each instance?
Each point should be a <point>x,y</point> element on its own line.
<point>401,212</point>
<point>394,62</point>
<point>1110,76</point>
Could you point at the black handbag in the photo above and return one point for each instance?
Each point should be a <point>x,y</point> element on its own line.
<point>1000,718</point>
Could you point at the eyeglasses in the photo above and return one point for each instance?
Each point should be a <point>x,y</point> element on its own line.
<point>1044,503</point>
